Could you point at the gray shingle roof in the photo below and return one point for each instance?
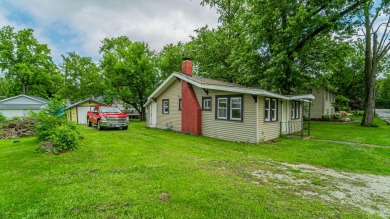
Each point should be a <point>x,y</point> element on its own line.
<point>40,98</point>
<point>209,81</point>
<point>84,101</point>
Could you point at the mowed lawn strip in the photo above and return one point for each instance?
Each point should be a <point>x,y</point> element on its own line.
<point>352,132</point>
<point>122,174</point>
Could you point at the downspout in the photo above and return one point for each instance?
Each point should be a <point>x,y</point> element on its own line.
<point>257,121</point>
<point>308,118</point>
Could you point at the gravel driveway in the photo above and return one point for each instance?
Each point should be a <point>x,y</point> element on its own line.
<point>369,192</point>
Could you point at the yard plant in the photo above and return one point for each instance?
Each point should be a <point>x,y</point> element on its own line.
<point>149,173</point>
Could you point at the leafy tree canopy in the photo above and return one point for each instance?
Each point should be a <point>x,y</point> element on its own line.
<point>129,71</point>
<point>280,44</point>
<point>82,78</point>
<point>26,64</point>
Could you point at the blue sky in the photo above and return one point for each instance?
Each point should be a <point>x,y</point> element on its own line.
<point>80,25</point>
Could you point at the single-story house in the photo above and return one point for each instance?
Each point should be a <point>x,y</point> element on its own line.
<point>21,105</point>
<point>78,111</point>
<point>322,104</point>
<point>201,106</point>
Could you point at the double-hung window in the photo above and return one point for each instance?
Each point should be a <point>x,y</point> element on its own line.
<point>222,108</point>
<point>235,108</point>
<point>270,109</point>
<point>295,110</point>
<point>165,106</point>
<point>206,103</point>
<point>229,107</point>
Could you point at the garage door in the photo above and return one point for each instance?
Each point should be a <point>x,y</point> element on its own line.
<point>82,114</point>
<point>12,113</point>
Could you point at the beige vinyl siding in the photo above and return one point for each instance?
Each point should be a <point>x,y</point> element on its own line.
<point>317,108</point>
<point>244,131</point>
<point>173,119</point>
<point>322,104</point>
<point>328,103</point>
<point>268,130</point>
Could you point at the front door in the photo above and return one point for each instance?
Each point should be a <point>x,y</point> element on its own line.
<point>153,114</point>
<point>285,117</point>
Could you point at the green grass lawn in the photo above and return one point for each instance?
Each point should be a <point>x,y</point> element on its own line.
<point>121,174</point>
<point>352,132</point>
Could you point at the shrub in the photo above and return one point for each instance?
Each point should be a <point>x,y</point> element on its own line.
<point>358,113</point>
<point>2,117</point>
<point>45,124</point>
<point>52,126</point>
<point>325,117</point>
<point>64,138</point>
<point>335,116</point>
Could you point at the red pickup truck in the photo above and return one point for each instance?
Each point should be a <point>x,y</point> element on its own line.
<point>107,117</point>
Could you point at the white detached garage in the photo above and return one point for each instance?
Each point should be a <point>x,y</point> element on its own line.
<point>21,105</point>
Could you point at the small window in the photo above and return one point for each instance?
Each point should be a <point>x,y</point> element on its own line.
<point>295,110</point>
<point>206,103</point>
<point>165,106</point>
<point>222,108</point>
<point>271,109</point>
<point>267,103</point>
<point>180,104</point>
<point>235,108</point>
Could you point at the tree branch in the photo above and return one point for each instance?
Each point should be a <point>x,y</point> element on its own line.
<point>377,13</point>
<point>303,42</point>
<point>385,35</point>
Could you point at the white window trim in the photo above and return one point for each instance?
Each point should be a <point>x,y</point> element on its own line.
<point>231,108</point>
<point>165,109</point>
<point>295,110</point>
<point>226,108</point>
<point>270,111</point>
<point>207,100</point>
<point>267,111</point>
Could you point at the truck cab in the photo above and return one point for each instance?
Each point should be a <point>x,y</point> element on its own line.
<point>107,117</point>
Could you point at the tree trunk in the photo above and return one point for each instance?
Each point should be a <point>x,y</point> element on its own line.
<point>143,114</point>
<point>371,66</point>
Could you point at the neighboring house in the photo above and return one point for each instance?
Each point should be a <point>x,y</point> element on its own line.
<point>78,111</point>
<point>197,105</point>
<point>21,105</point>
<point>322,104</point>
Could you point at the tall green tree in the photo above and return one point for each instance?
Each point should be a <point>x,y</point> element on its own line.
<point>82,77</point>
<point>169,60</point>
<point>129,71</point>
<point>347,74</point>
<point>27,64</point>
<point>285,36</point>
<point>377,46</point>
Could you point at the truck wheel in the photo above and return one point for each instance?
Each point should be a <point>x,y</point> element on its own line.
<point>125,127</point>
<point>89,122</point>
<point>98,127</point>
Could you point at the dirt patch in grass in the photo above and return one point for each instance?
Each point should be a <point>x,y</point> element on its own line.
<point>369,192</point>
<point>16,128</point>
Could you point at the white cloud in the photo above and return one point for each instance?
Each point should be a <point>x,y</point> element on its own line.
<point>90,21</point>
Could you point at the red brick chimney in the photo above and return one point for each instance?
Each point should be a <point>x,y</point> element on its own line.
<point>186,66</point>
<point>191,113</point>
